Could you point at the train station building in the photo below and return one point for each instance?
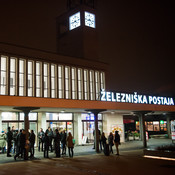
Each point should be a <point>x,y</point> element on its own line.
<point>69,90</point>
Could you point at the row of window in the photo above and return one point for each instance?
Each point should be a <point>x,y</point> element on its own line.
<point>22,77</point>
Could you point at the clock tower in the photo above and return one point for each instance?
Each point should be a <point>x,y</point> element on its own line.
<point>77,30</point>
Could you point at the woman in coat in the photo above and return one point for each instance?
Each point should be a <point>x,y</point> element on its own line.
<point>70,144</point>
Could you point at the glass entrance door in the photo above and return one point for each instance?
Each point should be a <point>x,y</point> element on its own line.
<point>88,128</point>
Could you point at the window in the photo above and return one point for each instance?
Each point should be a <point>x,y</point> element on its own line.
<point>92,85</point>
<point>3,76</point>
<point>80,84</point>
<point>97,85</point>
<point>67,82</point>
<point>30,78</point>
<point>38,79</point>
<point>60,82</point>
<point>12,76</point>
<point>46,80</point>
<point>86,85</point>
<point>102,80</point>
<point>22,77</point>
<point>53,81</point>
<point>74,83</point>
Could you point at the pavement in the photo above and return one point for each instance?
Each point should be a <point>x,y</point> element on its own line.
<point>87,162</point>
<point>125,148</point>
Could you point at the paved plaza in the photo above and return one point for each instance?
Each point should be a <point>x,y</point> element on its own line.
<point>87,162</point>
<point>125,148</point>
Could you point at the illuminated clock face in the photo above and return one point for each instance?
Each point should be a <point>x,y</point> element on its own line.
<point>74,21</point>
<point>89,19</point>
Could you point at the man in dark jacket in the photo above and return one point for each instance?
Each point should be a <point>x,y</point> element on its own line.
<point>40,139</point>
<point>57,139</point>
<point>21,144</point>
<point>46,145</point>
<point>32,143</point>
<point>63,142</point>
<point>50,135</point>
<point>9,141</point>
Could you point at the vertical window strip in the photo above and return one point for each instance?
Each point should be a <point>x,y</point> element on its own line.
<point>74,83</point>
<point>3,75</point>
<point>22,77</point>
<point>46,79</point>
<point>38,79</point>
<point>60,82</point>
<point>97,85</point>
<point>13,76</point>
<point>92,93</point>
<point>86,85</point>
<point>30,78</point>
<point>53,81</point>
<point>80,85</point>
<point>102,76</point>
<point>67,82</point>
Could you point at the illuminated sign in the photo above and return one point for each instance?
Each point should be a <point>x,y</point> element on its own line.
<point>135,98</point>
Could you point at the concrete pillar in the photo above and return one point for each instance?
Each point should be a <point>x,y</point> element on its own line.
<point>168,126</point>
<point>96,134</point>
<point>141,115</point>
<point>77,128</point>
<point>140,127</point>
<point>43,121</point>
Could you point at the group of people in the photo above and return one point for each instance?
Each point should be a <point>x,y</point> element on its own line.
<point>21,145</point>
<point>48,140</point>
<point>111,140</point>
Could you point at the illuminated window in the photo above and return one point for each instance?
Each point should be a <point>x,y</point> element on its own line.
<point>74,84</point>
<point>80,84</point>
<point>74,21</point>
<point>102,80</point>
<point>3,77</point>
<point>22,77</point>
<point>13,76</point>
<point>53,81</point>
<point>30,78</point>
<point>60,82</point>
<point>92,85</point>
<point>38,79</point>
<point>86,85</point>
<point>97,85</point>
<point>67,82</point>
<point>46,80</point>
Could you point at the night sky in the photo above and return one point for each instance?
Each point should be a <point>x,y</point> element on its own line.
<point>136,38</point>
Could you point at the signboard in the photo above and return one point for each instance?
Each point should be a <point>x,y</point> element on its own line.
<point>135,98</point>
<point>173,129</point>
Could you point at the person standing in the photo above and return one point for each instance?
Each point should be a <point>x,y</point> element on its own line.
<point>50,135</point>
<point>57,140</point>
<point>21,139</point>
<point>9,141</point>
<point>40,138</point>
<point>111,142</point>
<point>46,145</point>
<point>117,141</point>
<point>103,139</point>
<point>32,143</point>
<point>63,142</point>
<point>70,144</point>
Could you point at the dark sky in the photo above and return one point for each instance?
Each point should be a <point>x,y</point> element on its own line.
<point>135,37</point>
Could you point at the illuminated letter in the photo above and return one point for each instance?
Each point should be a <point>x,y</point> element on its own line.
<point>103,95</point>
<point>118,97</point>
<point>108,96</point>
<point>150,99</point>
<point>113,98</point>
